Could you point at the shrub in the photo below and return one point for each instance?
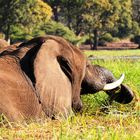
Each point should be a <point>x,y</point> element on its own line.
<point>2,36</point>
<point>136,40</point>
<point>107,37</point>
<point>55,28</point>
<point>19,33</point>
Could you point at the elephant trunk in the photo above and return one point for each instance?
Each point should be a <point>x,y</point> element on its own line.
<point>98,77</point>
<point>122,94</point>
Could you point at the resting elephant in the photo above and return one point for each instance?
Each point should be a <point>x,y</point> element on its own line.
<point>43,75</point>
<point>98,78</point>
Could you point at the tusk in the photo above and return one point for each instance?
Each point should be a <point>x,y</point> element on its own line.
<point>115,84</point>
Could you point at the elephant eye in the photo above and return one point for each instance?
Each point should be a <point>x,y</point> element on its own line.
<point>65,66</point>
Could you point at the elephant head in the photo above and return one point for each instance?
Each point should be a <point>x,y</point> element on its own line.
<point>56,70</point>
<point>98,78</point>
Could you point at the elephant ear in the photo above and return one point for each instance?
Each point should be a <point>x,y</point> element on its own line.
<point>26,52</point>
<point>56,70</point>
<point>50,74</point>
<point>52,83</point>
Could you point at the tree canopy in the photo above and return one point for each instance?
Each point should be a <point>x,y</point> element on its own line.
<point>100,16</point>
<point>26,14</point>
<point>98,19</point>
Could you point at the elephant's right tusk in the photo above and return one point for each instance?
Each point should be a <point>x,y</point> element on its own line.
<point>115,84</point>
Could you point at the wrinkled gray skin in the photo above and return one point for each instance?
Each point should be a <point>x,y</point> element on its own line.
<point>95,79</point>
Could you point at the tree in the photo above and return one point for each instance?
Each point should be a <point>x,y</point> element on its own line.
<point>136,10</point>
<point>69,12</point>
<point>8,12</point>
<point>72,11</point>
<point>56,28</point>
<point>100,16</point>
<point>24,14</point>
<point>55,5</point>
<point>124,25</point>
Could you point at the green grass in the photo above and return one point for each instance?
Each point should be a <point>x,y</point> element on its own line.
<point>122,122</point>
<point>113,53</point>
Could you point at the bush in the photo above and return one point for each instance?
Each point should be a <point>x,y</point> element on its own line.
<point>115,39</point>
<point>55,28</point>
<point>136,40</point>
<point>106,38</point>
<point>18,34</point>
<point>2,36</point>
<point>102,43</point>
<point>135,28</point>
<point>50,28</point>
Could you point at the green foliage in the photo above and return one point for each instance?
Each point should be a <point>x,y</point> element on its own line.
<point>72,11</point>
<point>69,12</point>
<point>19,34</point>
<point>126,26</point>
<point>36,12</point>
<point>81,16</point>
<point>136,39</point>
<point>55,28</point>
<point>2,36</point>
<point>112,16</point>
<point>136,11</point>
<point>49,27</point>
<point>26,14</point>
<point>107,37</point>
<point>101,14</point>
<point>135,28</point>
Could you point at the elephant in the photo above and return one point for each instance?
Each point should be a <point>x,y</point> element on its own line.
<point>46,76</point>
<point>42,76</point>
<point>98,78</point>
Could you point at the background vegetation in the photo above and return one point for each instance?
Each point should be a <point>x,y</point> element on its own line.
<point>78,21</point>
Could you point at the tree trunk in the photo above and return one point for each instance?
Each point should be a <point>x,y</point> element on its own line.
<point>7,34</point>
<point>69,16</point>
<point>90,42</point>
<point>78,27</point>
<point>95,43</point>
<point>55,12</point>
<point>69,22</point>
<point>139,46</point>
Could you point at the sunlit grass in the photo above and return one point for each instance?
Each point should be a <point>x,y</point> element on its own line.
<point>96,127</point>
<point>120,122</point>
<point>113,53</point>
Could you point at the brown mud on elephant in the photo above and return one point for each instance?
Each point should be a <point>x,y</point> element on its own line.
<point>41,75</point>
